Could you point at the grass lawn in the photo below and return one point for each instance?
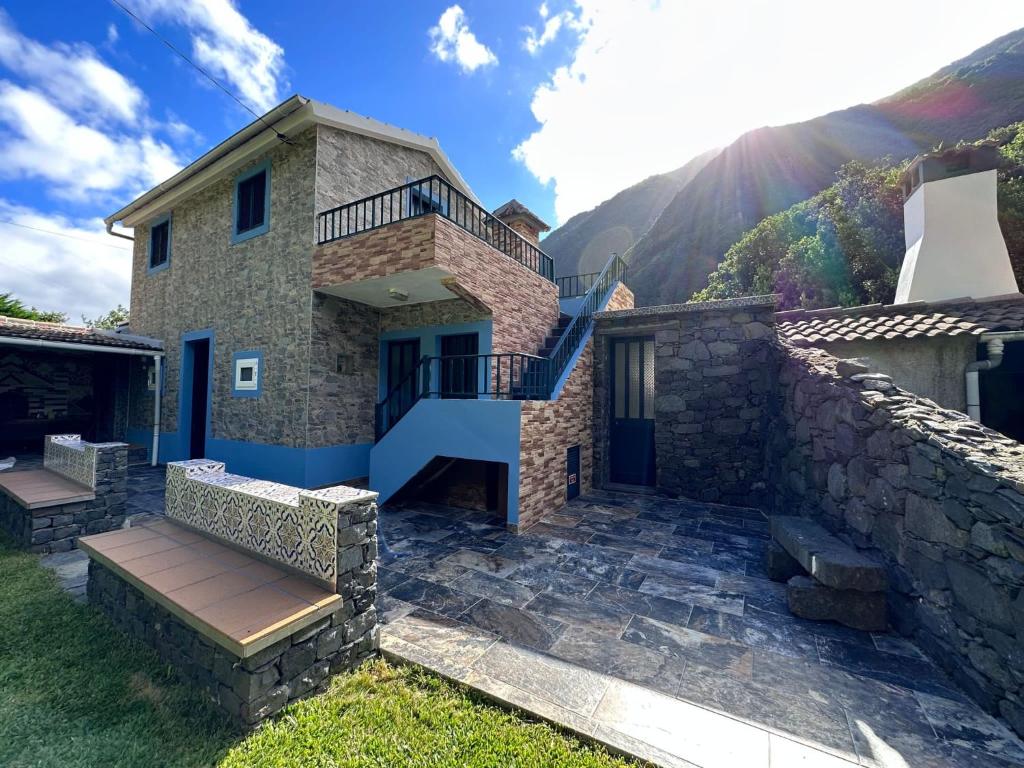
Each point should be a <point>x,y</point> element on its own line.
<point>76,692</point>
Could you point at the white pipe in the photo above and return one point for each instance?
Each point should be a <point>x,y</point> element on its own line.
<point>68,345</point>
<point>994,342</point>
<point>157,359</point>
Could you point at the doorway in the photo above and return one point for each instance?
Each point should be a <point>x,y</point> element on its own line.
<point>631,449</point>
<point>403,357</point>
<point>459,374</point>
<point>196,390</point>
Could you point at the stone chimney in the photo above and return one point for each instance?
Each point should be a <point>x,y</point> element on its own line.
<point>955,248</point>
<point>522,220</point>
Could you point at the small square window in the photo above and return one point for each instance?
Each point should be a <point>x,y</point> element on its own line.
<point>247,374</point>
<point>159,244</point>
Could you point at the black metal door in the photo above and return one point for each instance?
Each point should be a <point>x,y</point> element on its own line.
<point>572,473</point>
<point>631,451</point>
<point>458,372</point>
<point>403,357</point>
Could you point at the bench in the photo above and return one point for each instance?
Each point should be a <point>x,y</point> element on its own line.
<point>826,580</point>
<point>253,591</point>
<point>82,489</point>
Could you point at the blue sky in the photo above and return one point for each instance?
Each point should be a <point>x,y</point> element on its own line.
<point>559,104</point>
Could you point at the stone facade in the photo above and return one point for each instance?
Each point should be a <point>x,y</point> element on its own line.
<point>711,379</point>
<point>56,528</point>
<point>936,497</point>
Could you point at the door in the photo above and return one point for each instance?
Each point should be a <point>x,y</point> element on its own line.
<point>403,357</point>
<point>459,373</point>
<point>198,363</point>
<point>572,473</point>
<point>631,454</point>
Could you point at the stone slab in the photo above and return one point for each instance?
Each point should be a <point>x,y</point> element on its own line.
<point>825,557</point>
<point>810,599</point>
<point>780,565</point>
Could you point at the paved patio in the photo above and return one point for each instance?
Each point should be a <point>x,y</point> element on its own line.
<point>649,624</point>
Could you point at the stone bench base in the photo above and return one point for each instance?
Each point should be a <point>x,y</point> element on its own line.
<point>56,528</point>
<point>810,599</point>
<point>252,689</point>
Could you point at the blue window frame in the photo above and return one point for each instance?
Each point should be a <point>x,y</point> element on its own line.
<point>247,373</point>
<point>423,199</point>
<point>159,254</point>
<point>251,211</point>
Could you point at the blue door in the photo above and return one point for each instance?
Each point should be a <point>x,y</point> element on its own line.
<point>631,449</point>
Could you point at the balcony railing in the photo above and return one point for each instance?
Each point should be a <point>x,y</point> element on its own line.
<point>571,286</point>
<point>508,376</point>
<point>432,195</point>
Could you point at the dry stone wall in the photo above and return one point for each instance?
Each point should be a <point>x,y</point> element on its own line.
<point>936,497</point>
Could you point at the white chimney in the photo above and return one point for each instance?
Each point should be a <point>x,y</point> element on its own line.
<point>955,248</point>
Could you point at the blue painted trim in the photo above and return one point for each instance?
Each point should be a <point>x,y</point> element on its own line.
<point>150,269</point>
<point>430,344</point>
<point>141,436</point>
<point>243,355</point>
<point>185,401</point>
<point>240,237</point>
<point>301,467</point>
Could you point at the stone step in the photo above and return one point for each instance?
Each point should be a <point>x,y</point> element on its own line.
<point>809,599</point>
<point>825,557</point>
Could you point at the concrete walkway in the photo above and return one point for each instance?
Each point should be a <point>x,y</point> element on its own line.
<point>649,625</point>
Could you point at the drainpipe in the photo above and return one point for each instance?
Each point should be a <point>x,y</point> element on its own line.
<point>994,342</point>
<point>157,359</point>
<point>110,231</point>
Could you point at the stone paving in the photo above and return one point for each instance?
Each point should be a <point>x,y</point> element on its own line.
<point>649,624</point>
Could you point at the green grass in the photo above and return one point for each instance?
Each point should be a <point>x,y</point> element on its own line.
<point>76,692</point>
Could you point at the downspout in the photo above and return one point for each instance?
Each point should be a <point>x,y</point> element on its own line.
<point>110,231</point>
<point>157,360</point>
<point>994,342</point>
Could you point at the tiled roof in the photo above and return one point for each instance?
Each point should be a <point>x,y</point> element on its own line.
<point>514,208</point>
<point>955,317</point>
<point>11,327</point>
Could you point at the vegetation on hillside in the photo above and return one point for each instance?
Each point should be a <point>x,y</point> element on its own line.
<point>110,321</point>
<point>844,246</point>
<point>12,307</point>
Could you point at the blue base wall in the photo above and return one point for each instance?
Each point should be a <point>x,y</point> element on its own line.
<point>302,467</point>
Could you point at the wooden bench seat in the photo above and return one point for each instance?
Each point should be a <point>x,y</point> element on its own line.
<point>235,600</point>
<point>40,488</point>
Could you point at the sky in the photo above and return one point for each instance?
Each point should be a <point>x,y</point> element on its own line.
<point>559,104</point>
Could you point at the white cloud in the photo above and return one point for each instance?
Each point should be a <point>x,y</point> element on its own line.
<point>226,44</point>
<point>652,84</point>
<point>452,39</point>
<point>552,25</point>
<point>78,161</point>
<point>84,272</point>
<point>72,75</point>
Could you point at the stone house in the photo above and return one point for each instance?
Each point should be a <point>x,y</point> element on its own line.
<point>334,303</point>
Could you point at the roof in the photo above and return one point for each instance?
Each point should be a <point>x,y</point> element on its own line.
<point>16,328</point>
<point>289,117</point>
<point>769,301</point>
<point>953,317</point>
<point>514,209</point>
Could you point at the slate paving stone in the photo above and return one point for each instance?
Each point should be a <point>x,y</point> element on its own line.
<point>548,577</point>
<point>898,645</point>
<point>695,594</point>
<point>442,634</point>
<point>566,521</point>
<point>491,563</point>
<point>741,530</point>
<point>613,527</point>
<point>653,606</point>
<point>755,632</point>
<point>965,726</point>
<point>887,731</point>
<point>698,574</point>
<point>580,613</point>
<point>388,578</point>
<point>639,546</point>
<point>579,535</point>
<point>513,624</point>
<point>391,608</point>
<point>696,647</point>
<point>757,593</point>
<point>915,674</point>
<point>723,562</point>
<point>494,587</point>
<point>440,571</point>
<point>434,597</point>
<point>611,656</point>
<point>595,570</point>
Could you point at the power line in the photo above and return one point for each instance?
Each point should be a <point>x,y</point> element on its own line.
<point>202,71</point>
<point>63,234</point>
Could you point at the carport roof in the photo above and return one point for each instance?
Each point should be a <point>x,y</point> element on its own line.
<point>34,330</point>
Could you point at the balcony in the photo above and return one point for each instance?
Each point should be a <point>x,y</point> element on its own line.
<point>367,249</point>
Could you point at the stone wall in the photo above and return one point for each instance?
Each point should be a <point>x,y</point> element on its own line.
<point>935,496</point>
<point>711,379</point>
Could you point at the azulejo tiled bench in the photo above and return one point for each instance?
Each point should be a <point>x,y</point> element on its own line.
<point>82,489</point>
<point>253,591</point>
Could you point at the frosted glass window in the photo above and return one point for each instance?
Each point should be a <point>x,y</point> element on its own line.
<point>649,379</point>
<point>634,380</point>
<point>620,380</point>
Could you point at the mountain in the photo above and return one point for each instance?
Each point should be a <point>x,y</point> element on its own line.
<point>585,241</point>
<point>769,169</point>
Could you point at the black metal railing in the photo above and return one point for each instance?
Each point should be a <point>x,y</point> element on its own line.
<point>571,286</point>
<point>572,336</point>
<point>505,376</point>
<point>432,195</point>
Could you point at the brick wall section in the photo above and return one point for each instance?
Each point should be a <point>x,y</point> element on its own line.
<point>711,382</point>
<point>935,496</point>
<point>523,305</point>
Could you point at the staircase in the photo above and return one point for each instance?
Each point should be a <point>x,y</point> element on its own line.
<point>555,336</point>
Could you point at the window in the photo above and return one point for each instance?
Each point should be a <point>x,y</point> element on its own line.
<point>426,198</point>
<point>252,203</point>
<point>160,244</point>
<point>247,374</point>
